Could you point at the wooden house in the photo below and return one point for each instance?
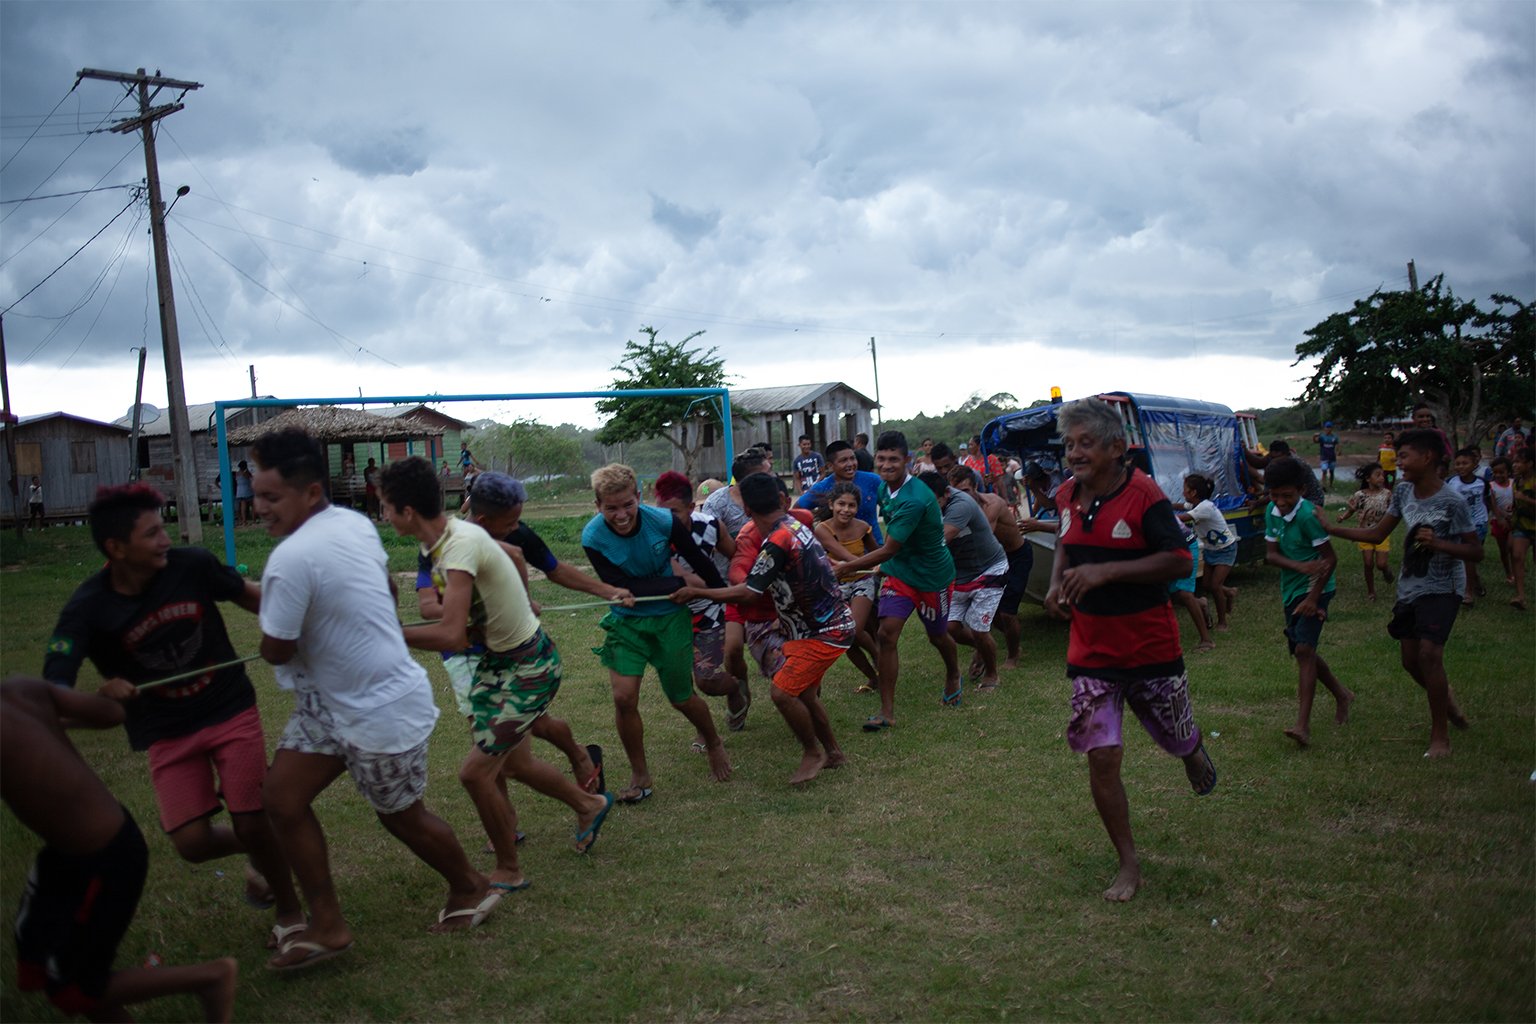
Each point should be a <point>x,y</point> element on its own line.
<point>826,412</point>
<point>71,456</point>
<point>435,449</point>
<point>156,465</point>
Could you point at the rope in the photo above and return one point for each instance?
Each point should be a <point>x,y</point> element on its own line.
<point>194,673</point>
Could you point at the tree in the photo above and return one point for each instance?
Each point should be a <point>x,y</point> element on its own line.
<point>654,363</point>
<point>1471,366</point>
<point>527,449</point>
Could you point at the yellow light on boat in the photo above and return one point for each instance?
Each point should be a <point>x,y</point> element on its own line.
<point>1055,395</point>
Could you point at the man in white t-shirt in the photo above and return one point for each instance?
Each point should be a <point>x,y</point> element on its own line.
<point>515,677</point>
<point>361,704</point>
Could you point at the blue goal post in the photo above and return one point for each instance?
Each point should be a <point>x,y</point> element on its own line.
<point>227,482</point>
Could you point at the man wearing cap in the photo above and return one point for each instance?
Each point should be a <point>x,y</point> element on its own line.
<point>1327,451</point>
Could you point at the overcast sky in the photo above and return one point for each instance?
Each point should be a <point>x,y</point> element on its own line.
<point>452,198</point>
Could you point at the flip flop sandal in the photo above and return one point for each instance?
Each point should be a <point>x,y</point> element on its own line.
<point>634,795</point>
<point>1194,782</point>
<point>597,782</point>
<point>317,954</point>
<point>281,933</point>
<point>876,723</point>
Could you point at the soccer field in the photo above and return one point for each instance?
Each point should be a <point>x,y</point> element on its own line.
<point>951,872</point>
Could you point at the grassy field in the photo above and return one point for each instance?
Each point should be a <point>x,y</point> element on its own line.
<point>952,872</point>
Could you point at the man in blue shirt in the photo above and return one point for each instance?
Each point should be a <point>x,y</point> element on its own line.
<point>845,469</point>
<point>1327,451</point>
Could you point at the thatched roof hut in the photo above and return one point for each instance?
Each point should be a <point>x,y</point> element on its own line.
<point>331,424</point>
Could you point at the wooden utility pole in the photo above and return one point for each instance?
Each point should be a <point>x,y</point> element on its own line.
<point>9,422</point>
<point>188,512</point>
<point>138,416</point>
<point>1413,277</point>
<point>875,358</point>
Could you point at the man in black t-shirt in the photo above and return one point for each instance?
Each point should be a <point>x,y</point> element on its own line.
<point>152,612</point>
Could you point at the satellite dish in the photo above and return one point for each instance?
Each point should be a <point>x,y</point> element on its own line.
<point>147,413</point>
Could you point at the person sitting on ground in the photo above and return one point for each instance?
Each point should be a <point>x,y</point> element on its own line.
<point>152,612</point>
<point>631,545</point>
<point>1118,549</point>
<point>981,574</point>
<point>917,575</point>
<point>793,570</point>
<point>1297,542</point>
<point>1371,501</point>
<point>362,705</point>
<point>1432,579</point>
<point>84,887</point>
<point>515,678</point>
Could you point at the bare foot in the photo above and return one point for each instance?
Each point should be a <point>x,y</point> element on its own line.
<point>218,996</point>
<point>810,766</point>
<point>258,891</point>
<point>975,669</point>
<point>1222,627</point>
<point>1342,706</point>
<point>835,759</point>
<point>1205,645</point>
<point>1457,717</point>
<point>1302,737</point>
<point>1127,883</point>
<point>1438,750</point>
<point>987,684</point>
<point>719,764</point>
<point>1011,663</point>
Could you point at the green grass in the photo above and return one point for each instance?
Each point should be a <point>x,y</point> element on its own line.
<point>951,872</point>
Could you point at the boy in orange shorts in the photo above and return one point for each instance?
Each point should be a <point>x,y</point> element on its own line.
<point>818,628</point>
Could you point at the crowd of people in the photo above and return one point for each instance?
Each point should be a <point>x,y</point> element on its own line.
<point>751,581</point>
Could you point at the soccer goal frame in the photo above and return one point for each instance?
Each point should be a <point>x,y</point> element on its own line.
<point>227,481</point>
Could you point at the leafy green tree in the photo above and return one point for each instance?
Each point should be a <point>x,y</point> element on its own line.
<point>655,363</point>
<point>527,449</point>
<point>1471,366</point>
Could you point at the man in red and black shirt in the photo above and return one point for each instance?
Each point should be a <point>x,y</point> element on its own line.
<point>1117,550</point>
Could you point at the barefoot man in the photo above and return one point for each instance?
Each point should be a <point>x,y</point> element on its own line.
<point>84,887</point>
<point>630,546</point>
<point>361,704</point>
<point>794,570</point>
<point>1118,549</point>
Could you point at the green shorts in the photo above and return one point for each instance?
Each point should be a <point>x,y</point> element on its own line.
<point>665,641</point>
<point>511,689</point>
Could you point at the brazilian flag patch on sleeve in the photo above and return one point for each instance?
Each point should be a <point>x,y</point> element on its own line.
<point>64,645</point>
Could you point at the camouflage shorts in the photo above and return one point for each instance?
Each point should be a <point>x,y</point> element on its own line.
<point>511,689</point>
<point>390,782</point>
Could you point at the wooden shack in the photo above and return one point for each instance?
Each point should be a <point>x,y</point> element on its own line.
<point>826,412</point>
<point>71,456</point>
<point>156,465</point>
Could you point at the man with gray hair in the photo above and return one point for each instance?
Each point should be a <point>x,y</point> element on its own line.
<point>1117,550</point>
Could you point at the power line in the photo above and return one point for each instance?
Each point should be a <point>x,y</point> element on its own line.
<point>40,124</point>
<point>89,293</point>
<point>197,300</point>
<point>81,192</point>
<point>336,335</point>
<point>72,255</point>
<point>62,214</point>
<point>117,261</point>
<point>61,163</point>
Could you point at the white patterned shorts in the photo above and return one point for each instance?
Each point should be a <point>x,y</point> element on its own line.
<point>389,782</point>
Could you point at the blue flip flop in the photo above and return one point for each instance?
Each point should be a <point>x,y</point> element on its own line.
<point>952,700</point>
<point>509,887</point>
<point>875,723</point>
<point>586,839</point>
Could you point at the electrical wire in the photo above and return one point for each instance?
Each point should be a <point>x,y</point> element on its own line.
<point>72,255</point>
<point>62,214</point>
<point>40,124</point>
<point>61,163</point>
<point>87,295</point>
<point>81,192</point>
<point>118,262</point>
<point>197,301</point>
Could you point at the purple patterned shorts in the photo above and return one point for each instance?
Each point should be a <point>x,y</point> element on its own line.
<point>1161,704</point>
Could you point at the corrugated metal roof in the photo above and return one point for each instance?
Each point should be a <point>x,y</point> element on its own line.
<point>199,417</point>
<point>395,411</point>
<point>68,416</point>
<point>784,399</point>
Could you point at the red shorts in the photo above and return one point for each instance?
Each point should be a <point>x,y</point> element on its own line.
<point>759,611</point>
<point>805,662</point>
<point>182,770</point>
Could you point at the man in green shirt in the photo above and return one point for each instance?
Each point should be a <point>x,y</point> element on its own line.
<point>919,573</point>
